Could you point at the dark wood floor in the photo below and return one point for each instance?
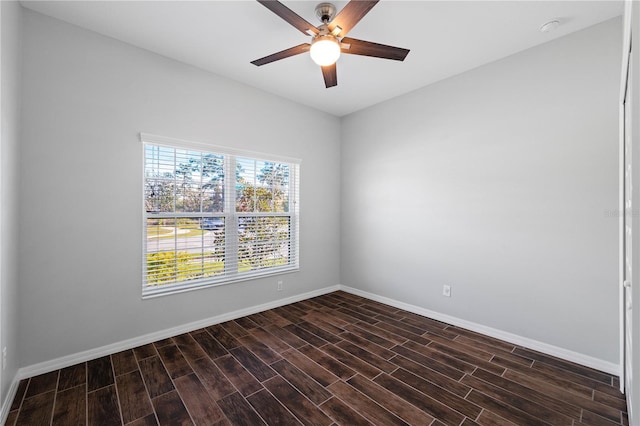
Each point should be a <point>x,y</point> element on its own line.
<point>335,359</point>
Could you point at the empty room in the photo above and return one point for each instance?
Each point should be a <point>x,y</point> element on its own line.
<point>300,212</point>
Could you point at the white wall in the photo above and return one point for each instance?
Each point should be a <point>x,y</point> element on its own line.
<point>497,182</point>
<point>85,99</point>
<point>9,145</point>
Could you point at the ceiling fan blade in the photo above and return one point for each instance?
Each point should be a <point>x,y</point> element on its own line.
<point>330,75</point>
<point>292,51</point>
<point>367,48</point>
<point>350,15</point>
<point>290,16</point>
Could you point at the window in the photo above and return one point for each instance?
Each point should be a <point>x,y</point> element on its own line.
<point>215,215</point>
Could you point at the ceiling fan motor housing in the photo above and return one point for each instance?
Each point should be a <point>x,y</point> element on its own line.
<point>325,12</point>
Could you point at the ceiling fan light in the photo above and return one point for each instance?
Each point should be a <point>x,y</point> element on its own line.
<point>325,50</point>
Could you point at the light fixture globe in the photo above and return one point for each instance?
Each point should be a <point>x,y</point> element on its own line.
<point>325,50</point>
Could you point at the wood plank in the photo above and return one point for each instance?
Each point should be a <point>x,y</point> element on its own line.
<point>155,376</point>
<point>145,351</point>
<point>366,369</point>
<point>431,363</point>
<point>246,323</point>
<point>37,410</point>
<point>432,376</point>
<point>305,384</point>
<point>170,410</point>
<point>133,397</point>
<point>488,418</point>
<point>408,412</point>
<point>213,379</point>
<point>203,409</point>
<point>503,409</point>
<point>353,316</point>
<point>328,362</point>
<point>375,331</point>
<point>149,420</point>
<point>173,361</point>
<point>367,356</point>
<point>498,351</point>
<point>490,341</point>
<point>253,364</point>
<point>271,410</point>
<point>342,413</point>
<point>541,398</point>
<point>211,346</point>
<point>296,402</point>
<point>73,376</point>
<point>320,332</point>
<point>438,393</point>
<point>244,381</point>
<point>189,347</point>
<point>467,357</point>
<point>233,328</point>
<point>163,342</point>
<point>424,402</point>
<point>20,392</point>
<point>11,418</point>
<point>124,362</point>
<point>561,394</point>
<point>71,406</point>
<point>260,349</point>
<point>99,373</point>
<point>364,405</point>
<point>305,335</point>
<point>402,332</point>
<point>276,319</point>
<point>368,345</point>
<point>459,348</point>
<point>238,410</point>
<point>225,338</point>
<point>589,418</point>
<point>102,407</point>
<point>521,402</point>
<point>311,368</point>
<point>42,383</point>
<point>442,357</point>
<point>565,365</point>
<point>273,342</point>
<point>287,337</point>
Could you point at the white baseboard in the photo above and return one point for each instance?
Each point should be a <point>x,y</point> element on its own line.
<point>69,360</point>
<point>578,358</point>
<point>8,400</point>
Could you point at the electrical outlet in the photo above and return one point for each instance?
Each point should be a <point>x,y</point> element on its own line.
<point>280,285</point>
<point>446,290</point>
<point>4,357</point>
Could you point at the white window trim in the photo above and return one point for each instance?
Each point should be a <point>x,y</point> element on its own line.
<point>152,291</point>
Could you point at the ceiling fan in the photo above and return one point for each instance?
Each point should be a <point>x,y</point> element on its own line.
<point>329,39</point>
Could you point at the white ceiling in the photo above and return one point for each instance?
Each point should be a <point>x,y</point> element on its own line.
<point>445,38</point>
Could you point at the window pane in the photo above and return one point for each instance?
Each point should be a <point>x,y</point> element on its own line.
<point>159,162</point>
<point>262,186</point>
<point>212,183</point>
<point>263,242</point>
<point>183,249</point>
<point>188,197</point>
<point>159,195</point>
